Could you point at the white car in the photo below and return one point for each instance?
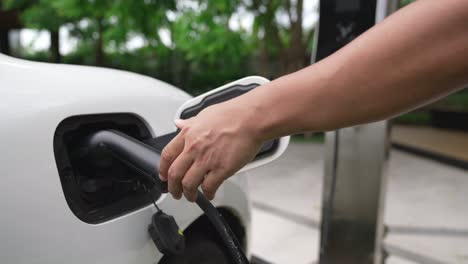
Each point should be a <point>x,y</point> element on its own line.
<point>57,208</point>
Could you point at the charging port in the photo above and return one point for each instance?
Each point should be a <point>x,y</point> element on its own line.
<point>98,187</point>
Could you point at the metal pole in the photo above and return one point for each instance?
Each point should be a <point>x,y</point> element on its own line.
<point>356,158</point>
<point>353,197</point>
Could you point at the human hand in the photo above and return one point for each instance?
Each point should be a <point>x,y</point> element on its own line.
<point>209,148</point>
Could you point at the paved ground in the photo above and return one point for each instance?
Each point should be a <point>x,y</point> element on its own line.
<point>426,209</point>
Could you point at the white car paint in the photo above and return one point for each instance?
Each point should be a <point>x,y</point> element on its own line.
<point>36,224</point>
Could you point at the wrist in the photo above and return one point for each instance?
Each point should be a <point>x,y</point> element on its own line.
<point>258,115</point>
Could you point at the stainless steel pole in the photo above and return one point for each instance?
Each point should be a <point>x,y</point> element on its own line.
<point>356,158</point>
<point>353,194</point>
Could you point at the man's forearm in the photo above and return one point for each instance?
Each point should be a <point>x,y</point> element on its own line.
<point>417,55</point>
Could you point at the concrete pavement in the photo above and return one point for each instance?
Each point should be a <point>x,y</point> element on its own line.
<point>449,143</point>
<point>426,209</point>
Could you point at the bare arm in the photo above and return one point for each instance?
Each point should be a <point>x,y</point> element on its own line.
<point>415,56</point>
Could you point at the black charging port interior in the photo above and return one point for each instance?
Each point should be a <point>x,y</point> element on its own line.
<point>98,187</point>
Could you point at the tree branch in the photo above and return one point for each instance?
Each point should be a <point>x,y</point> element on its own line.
<point>288,9</point>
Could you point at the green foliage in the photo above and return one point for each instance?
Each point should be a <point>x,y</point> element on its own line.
<point>39,14</point>
<point>265,24</point>
<point>455,102</point>
<point>16,4</point>
<point>212,51</point>
<point>42,16</point>
<point>405,2</point>
<point>187,43</point>
<point>417,118</point>
<point>284,45</point>
<point>315,138</point>
<point>42,56</point>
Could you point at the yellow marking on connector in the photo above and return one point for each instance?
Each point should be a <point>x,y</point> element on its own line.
<point>181,233</point>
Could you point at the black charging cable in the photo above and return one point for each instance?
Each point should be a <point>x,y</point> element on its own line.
<point>229,239</point>
<point>145,159</point>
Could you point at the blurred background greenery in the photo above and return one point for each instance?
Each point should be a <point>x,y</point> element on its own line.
<point>195,45</point>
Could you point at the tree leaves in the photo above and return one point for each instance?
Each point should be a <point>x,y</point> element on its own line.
<point>188,43</point>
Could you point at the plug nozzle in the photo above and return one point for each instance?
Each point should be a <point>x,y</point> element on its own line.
<point>130,151</point>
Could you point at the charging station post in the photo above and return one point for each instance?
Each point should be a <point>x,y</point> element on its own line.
<point>352,228</point>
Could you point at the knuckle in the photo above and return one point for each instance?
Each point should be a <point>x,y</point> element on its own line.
<point>184,130</point>
<point>207,135</point>
<point>187,185</point>
<point>209,189</point>
<point>172,175</point>
<point>198,144</point>
<point>220,165</point>
<point>194,146</point>
<point>166,155</point>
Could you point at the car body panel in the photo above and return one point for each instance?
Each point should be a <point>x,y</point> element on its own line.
<point>36,224</point>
